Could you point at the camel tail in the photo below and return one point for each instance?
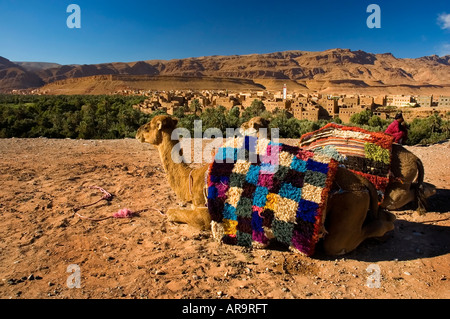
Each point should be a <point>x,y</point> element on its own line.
<point>374,207</point>
<point>421,172</point>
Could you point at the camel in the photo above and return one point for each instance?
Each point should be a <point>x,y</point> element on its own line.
<point>407,184</point>
<point>352,212</point>
<point>256,123</point>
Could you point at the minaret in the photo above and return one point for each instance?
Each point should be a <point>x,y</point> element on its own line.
<point>284,91</point>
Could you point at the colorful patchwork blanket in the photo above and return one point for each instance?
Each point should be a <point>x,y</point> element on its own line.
<point>362,152</point>
<point>259,190</point>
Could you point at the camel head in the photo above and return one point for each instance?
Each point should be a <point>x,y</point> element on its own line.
<point>398,195</point>
<point>153,131</point>
<point>254,124</point>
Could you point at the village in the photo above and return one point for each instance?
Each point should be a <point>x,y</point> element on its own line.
<point>302,106</point>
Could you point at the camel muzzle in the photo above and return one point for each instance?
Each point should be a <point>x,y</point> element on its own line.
<point>140,136</point>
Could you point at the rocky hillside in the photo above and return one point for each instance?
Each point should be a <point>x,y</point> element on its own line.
<point>313,70</point>
<point>13,76</point>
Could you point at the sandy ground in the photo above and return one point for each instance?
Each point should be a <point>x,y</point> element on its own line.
<point>42,180</point>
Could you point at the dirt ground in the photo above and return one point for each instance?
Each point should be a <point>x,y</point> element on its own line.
<point>43,242</point>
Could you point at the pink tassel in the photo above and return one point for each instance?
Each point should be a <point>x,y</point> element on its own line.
<point>123,213</point>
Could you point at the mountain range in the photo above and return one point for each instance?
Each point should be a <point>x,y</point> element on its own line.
<point>326,71</point>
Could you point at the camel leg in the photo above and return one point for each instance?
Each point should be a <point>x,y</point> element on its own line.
<point>420,198</point>
<point>347,225</point>
<point>197,217</point>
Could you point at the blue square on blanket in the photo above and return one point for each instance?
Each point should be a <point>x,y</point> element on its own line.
<point>307,211</point>
<point>253,174</point>
<point>267,168</point>
<point>250,143</point>
<point>226,154</point>
<point>212,192</point>
<point>298,164</point>
<point>291,192</point>
<point>260,196</point>
<point>229,212</point>
<point>317,166</point>
<point>257,222</point>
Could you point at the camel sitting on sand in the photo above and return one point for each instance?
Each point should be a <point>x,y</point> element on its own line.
<point>406,172</point>
<point>407,184</point>
<point>352,212</point>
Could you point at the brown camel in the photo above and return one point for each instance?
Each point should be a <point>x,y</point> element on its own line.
<point>352,213</point>
<point>407,185</point>
<point>256,123</point>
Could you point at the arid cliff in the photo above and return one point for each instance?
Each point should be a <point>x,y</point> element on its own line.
<point>334,69</point>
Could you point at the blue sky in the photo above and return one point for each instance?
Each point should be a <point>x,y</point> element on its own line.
<point>124,31</point>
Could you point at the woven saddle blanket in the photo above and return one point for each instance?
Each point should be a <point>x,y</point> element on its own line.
<point>259,191</point>
<point>362,152</point>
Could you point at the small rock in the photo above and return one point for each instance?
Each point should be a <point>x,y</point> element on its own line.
<point>407,273</point>
<point>12,281</point>
<point>160,272</point>
<point>31,277</point>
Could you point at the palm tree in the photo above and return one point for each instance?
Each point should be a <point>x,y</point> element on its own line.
<point>196,107</point>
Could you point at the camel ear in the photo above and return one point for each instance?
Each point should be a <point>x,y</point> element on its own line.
<point>159,125</point>
<point>168,122</point>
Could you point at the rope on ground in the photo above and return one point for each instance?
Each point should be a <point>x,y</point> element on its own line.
<point>121,213</point>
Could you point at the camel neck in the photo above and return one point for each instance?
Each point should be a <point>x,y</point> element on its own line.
<point>175,167</point>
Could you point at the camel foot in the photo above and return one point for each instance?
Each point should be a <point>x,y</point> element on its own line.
<point>197,217</point>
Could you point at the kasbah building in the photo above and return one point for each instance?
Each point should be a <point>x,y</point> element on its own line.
<point>306,106</point>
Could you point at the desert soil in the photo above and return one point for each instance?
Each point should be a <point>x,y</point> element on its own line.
<point>146,256</point>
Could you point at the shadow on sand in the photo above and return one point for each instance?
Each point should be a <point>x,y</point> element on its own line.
<point>408,241</point>
<point>440,202</point>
